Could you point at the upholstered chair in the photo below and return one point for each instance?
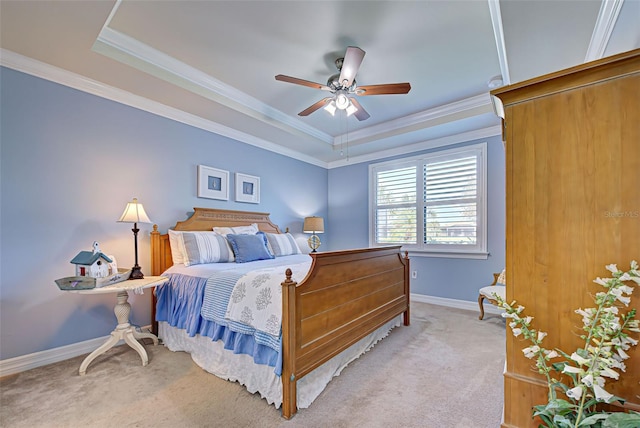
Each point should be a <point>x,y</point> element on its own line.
<point>498,286</point>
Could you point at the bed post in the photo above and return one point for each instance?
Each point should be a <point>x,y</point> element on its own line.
<point>407,315</point>
<point>289,392</point>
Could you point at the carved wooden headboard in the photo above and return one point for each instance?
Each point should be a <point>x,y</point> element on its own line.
<point>203,219</point>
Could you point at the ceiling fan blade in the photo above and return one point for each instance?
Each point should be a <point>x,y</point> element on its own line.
<point>361,114</point>
<point>314,107</point>
<point>351,65</point>
<point>289,79</point>
<point>389,88</point>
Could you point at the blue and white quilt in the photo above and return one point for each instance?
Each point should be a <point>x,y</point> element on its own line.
<point>240,304</point>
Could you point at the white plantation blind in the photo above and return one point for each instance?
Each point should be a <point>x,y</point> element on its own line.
<point>431,203</point>
<point>451,200</point>
<point>395,215</point>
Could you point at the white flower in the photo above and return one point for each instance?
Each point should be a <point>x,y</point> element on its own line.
<point>531,351</point>
<point>606,371</point>
<point>625,277</point>
<point>578,359</point>
<point>612,310</point>
<point>623,355</point>
<point>520,308</point>
<point>516,331</point>
<point>626,289</point>
<point>612,268</point>
<point>541,335</point>
<point>588,380</point>
<point>551,354</point>
<point>601,394</point>
<point>634,265</point>
<point>575,393</point>
<point>570,369</point>
<point>624,300</point>
<point>506,315</point>
<point>601,281</point>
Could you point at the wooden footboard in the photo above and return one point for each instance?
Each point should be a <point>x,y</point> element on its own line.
<point>345,296</point>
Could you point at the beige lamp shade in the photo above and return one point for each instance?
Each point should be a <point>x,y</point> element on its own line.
<point>134,213</point>
<point>313,225</point>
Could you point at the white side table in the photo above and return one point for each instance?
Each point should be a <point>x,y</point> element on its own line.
<point>124,330</point>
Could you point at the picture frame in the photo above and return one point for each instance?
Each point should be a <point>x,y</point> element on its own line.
<point>247,188</point>
<point>213,183</point>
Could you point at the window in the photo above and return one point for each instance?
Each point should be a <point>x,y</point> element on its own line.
<point>433,203</point>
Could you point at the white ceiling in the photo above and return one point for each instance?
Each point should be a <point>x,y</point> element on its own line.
<point>212,63</point>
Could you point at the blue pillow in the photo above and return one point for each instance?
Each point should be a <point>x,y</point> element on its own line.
<point>248,248</point>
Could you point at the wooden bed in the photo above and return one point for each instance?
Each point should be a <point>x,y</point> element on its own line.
<point>345,296</point>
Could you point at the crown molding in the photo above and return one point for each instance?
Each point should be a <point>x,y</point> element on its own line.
<point>463,137</point>
<point>137,54</point>
<point>54,74</point>
<point>498,33</point>
<point>607,17</point>
<point>417,119</point>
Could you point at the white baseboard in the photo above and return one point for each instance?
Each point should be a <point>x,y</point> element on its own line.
<point>37,359</point>
<point>454,303</point>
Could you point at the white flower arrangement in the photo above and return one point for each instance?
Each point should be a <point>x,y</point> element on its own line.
<point>606,339</point>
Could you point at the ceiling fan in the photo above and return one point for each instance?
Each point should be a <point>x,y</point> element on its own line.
<point>343,86</point>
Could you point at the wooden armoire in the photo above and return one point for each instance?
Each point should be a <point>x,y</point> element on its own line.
<point>572,141</point>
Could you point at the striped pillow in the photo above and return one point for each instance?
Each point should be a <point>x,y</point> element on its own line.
<point>251,229</point>
<point>206,247</point>
<point>282,244</point>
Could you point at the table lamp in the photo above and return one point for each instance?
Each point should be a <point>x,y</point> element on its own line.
<point>134,213</point>
<point>313,225</point>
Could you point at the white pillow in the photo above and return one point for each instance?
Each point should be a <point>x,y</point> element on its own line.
<point>206,247</point>
<point>252,229</point>
<point>282,244</point>
<point>177,247</point>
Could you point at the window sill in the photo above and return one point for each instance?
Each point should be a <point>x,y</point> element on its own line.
<point>449,255</point>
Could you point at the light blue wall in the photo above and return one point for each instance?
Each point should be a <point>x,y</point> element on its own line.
<point>440,277</point>
<point>69,163</point>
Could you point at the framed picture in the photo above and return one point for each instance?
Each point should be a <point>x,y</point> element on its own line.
<point>213,183</point>
<point>247,188</point>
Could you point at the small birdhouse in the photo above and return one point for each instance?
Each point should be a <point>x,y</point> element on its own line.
<point>92,263</point>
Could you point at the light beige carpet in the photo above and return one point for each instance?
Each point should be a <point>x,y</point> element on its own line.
<point>445,370</point>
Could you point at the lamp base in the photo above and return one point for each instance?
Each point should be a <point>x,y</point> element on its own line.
<point>136,273</point>
<point>314,242</point>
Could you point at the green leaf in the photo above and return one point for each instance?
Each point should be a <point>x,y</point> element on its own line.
<point>586,422</point>
<point>561,421</point>
<point>622,420</point>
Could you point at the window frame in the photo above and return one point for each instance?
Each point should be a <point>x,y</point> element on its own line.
<point>477,251</point>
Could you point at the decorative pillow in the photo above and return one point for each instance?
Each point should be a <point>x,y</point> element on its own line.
<point>282,244</point>
<point>206,247</point>
<point>502,278</point>
<point>248,248</point>
<point>175,242</point>
<point>252,229</point>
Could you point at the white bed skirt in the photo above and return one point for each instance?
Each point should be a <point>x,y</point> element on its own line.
<point>212,357</point>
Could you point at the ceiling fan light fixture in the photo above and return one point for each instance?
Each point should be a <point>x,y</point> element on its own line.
<point>342,101</point>
<point>331,108</point>
<point>351,109</point>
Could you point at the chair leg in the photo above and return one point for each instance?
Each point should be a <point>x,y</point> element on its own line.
<point>480,300</point>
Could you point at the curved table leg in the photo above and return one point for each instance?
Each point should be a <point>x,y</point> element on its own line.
<point>480,300</point>
<point>110,343</point>
<point>132,342</point>
<point>139,335</point>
